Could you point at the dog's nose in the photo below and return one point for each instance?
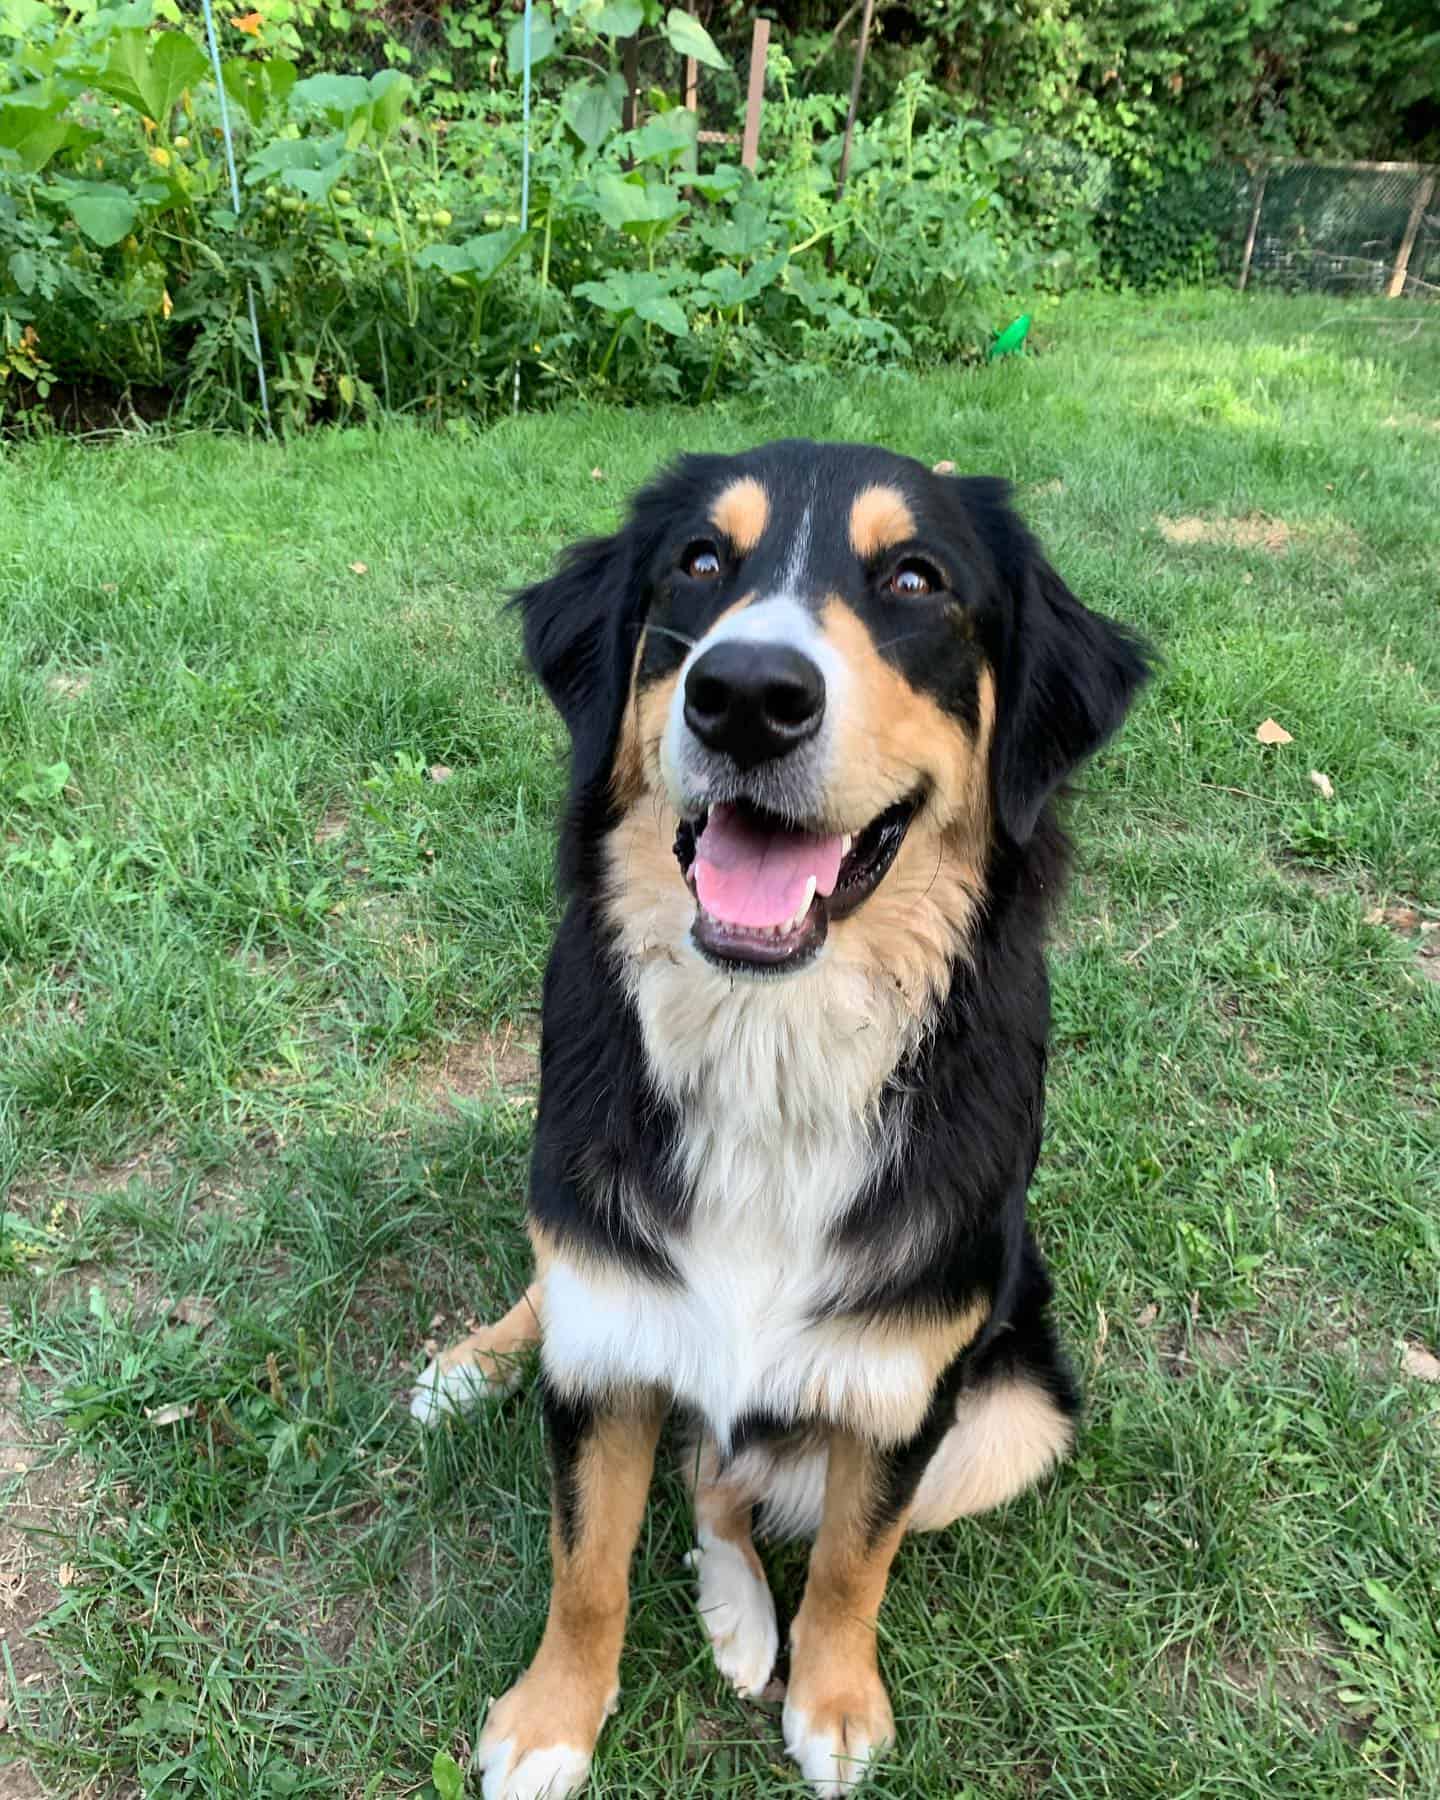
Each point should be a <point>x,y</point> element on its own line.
<point>753,701</point>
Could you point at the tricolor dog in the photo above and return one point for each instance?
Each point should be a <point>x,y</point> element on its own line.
<point>820,701</point>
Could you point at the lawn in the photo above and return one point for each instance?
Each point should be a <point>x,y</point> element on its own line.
<point>276,799</point>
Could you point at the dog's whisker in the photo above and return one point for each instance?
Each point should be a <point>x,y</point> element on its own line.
<point>679,636</point>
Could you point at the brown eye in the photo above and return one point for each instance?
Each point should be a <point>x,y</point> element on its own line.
<point>701,561</point>
<point>913,580</point>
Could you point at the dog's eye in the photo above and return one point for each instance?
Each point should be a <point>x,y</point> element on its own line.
<point>914,579</point>
<point>700,560</point>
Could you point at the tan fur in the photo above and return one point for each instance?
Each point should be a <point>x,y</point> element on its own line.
<point>721,1509</point>
<point>879,517</point>
<point>1003,1439</point>
<point>568,1690</point>
<point>835,1691</point>
<point>742,511</point>
<point>627,773</point>
<point>493,1348</point>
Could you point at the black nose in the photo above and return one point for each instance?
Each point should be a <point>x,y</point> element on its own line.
<point>753,701</point>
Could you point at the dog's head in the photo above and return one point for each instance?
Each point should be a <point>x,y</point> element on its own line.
<point>833,667</point>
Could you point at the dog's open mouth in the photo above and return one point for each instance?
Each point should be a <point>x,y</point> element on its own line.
<point>768,890</point>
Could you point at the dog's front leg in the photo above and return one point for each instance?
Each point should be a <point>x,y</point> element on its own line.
<point>539,1737</point>
<point>837,1713</point>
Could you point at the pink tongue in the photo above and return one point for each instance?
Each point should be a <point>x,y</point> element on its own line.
<point>751,877</point>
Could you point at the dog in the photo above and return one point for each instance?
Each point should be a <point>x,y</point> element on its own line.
<point>821,700</point>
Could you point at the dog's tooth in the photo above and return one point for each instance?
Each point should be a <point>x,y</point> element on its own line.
<point>846,842</point>
<point>810,887</point>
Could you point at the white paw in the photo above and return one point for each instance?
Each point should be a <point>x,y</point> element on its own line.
<point>447,1389</point>
<point>545,1774</point>
<point>834,1755</point>
<point>738,1612</point>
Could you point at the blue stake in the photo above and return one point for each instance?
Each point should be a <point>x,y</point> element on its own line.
<point>235,187</point>
<point>524,166</point>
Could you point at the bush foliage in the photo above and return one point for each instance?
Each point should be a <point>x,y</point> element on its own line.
<point>380,238</point>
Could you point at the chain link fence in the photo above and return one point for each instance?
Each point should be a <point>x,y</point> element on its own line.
<point>1339,228</point>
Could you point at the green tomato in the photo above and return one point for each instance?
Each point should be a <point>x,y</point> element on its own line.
<point>342,196</point>
<point>444,218</point>
<point>292,203</point>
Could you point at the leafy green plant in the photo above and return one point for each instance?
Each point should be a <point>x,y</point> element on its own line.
<point>384,245</point>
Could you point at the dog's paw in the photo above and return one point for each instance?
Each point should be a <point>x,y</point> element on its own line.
<point>533,1747</point>
<point>542,1774</point>
<point>737,1610</point>
<point>462,1377</point>
<point>834,1739</point>
<point>539,1738</point>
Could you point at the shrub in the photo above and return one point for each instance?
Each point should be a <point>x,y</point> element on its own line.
<point>385,251</point>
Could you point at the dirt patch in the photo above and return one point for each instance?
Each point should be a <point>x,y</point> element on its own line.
<point>69,684</point>
<point>38,1494</point>
<point>1411,924</point>
<point>55,1186</point>
<point>1259,531</point>
<point>506,1062</point>
<point>1254,532</point>
<point>334,824</point>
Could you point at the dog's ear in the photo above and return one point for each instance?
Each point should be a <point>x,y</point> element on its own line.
<point>1066,676</point>
<point>581,628</point>
<point>1070,678</point>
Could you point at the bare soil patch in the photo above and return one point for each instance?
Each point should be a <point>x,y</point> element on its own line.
<point>69,684</point>
<point>506,1062</point>
<point>38,1494</point>
<point>1255,531</point>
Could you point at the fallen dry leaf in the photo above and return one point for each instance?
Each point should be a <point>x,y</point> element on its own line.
<point>1398,918</point>
<point>1147,1315</point>
<point>1418,1361</point>
<point>1323,783</point>
<point>359,568</point>
<point>943,468</point>
<point>439,772</point>
<point>597,474</point>
<point>169,1415</point>
<point>192,1309</point>
<point>1269,732</point>
<point>66,1575</point>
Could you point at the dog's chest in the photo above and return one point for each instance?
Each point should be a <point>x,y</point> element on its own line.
<point>737,1334</point>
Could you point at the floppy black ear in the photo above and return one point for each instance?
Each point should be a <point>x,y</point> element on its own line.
<point>581,627</point>
<point>1067,680</point>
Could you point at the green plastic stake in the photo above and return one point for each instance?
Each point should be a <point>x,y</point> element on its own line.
<point>1011,339</point>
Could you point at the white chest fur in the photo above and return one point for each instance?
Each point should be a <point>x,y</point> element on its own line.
<point>777,1084</point>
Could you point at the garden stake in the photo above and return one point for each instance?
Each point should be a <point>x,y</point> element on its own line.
<point>235,196</point>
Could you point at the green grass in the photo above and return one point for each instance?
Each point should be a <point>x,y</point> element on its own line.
<point>242,930</point>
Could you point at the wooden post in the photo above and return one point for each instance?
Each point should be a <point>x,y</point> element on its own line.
<point>864,45</point>
<point>755,99</point>
<point>630,65</point>
<point>692,85</point>
<point>1254,227</point>
<point>1412,229</point>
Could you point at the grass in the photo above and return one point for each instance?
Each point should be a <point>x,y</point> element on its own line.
<point>249,944</point>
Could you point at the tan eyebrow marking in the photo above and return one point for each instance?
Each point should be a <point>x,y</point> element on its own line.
<point>742,511</point>
<point>879,517</point>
